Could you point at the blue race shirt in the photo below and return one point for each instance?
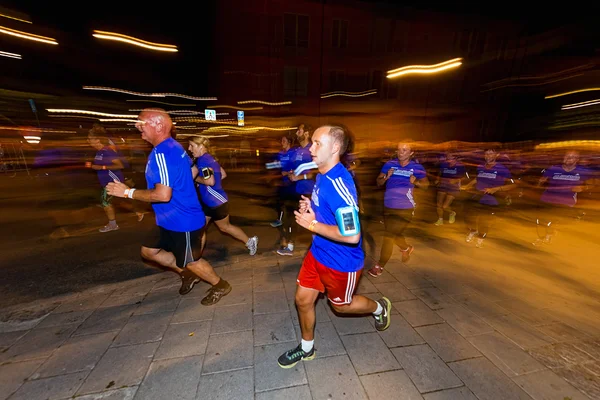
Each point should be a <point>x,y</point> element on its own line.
<point>106,156</point>
<point>398,189</point>
<point>169,165</point>
<point>334,190</point>
<point>285,158</point>
<point>449,174</point>
<point>560,184</point>
<point>491,178</point>
<point>301,156</point>
<point>212,196</point>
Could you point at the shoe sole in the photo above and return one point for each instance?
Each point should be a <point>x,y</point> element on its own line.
<point>294,364</point>
<point>373,275</point>
<point>408,256</point>
<point>388,304</point>
<point>191,287</point>
<point>285,254</point>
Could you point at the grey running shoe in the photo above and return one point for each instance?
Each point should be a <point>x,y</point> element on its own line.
<point>293,356</point>
<point>108,228</point>
<point>276,223</point>
<point>285,251</point>
<point>252,245</point>
<point>382,321</point>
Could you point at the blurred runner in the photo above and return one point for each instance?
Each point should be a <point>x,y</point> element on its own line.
<point>286,188</point>
<point>448,187</point>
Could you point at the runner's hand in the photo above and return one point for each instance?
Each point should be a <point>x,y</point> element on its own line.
<point>304,204</point>
<point>116,189</point>
<point>305,218</point>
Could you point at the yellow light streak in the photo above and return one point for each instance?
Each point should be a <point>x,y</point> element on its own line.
<point>425,69</point>
<point>118,120</point>
<point>134,41</point>
<point>572,92</point>
<point>30,129</point>
<point>267,103</point>
<point>109,89</point>
<point>200,135</point>
<point>568,143</point>
<point>32,137</point>
<point>87,112</point>
<point>15,18</point>
<point>28,36</point>
<point>162,102</point>
<point>237,108</point>
<point>348,94</point>
<point>11,55</point>
<point>579,105</point>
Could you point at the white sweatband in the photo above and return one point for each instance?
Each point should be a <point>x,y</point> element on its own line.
<point>304,176</point>
<point>126,193</point>
<point>130,194</point>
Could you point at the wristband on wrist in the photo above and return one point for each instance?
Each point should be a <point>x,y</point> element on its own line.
<point>130,194</point>
<point>305,176</point>
<point>311,226</point>
<point>126,193</point>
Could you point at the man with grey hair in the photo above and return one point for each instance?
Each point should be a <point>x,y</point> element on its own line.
<point>336,258</point>
<point>176,243</point>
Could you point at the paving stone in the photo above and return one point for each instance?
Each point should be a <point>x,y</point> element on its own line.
<point>231,385</point>
<point>8,338</point>
<point>273,328</point>
<point>369,354</point>
<point>169,281</point>
<point>239,294</point>
<point>228,351</point>
<point>434,298</point>
<point>176,378</point>
<point>590,346</point>
<point>464,321</point>
<point>184,340</point>
<point>80,353</point>
<point>524,335</point>
<point>505,354</point>
<point>400,333</point>
<point>327,340</point>
<point>267,282</point>
<point>333,378</point>
<point>268,375</point>
<point>239,276</point>
<point>486,381</point>
<point>292,393</point>
<point>82,303</point>
<point>143,329</point>
<point>127,393</point>
<point>461,393</point>
<point>560,332</point>
<point>395,291</point>
<point>106,320</point>
<point>383,278</point>
<point>38,343</point>
<point>427,371</point>
<point>159,301</point>
<point>559,355</point>
<point>593,368</point>
<point>365,286</point>
<point>57,387</point>
<point>191,310</point>
<point>137,288</point>
<point>528,313</point>
<point>417,313</point>
<point>351,324</point>
<point>120,366</point>
<point>270,302</point>
<point>447,343</point>
<point>60,319</point>
<point>411,280</point>
<point>232,318</point>
<point>13,375</point>
<point>122,300</point>
<point>581,379</point>
<point>546,385</point>
<point>394,384</point>
<point>450,285</point>
<point>478,304</point>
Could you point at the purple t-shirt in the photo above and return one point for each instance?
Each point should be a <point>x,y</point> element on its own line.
<point>105,156</point>
<point>300,156</point>
<point>560,184</point>
<point>448,174</point>
<point>398,189</point>
<point>491,178</point>
<point>212,196</point>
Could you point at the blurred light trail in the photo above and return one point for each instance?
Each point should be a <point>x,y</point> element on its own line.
<point>572,92</point>
<point>180,112</point>
<point>579,105</point>
<point>200,135</point>
<point>87,112</point>
<point>30,129</point>
<point>108,89</point>
<point>10,55</point>
<point>28,36</point>
<point>5,13</point>
<point>162,102</point>
<point>282,103</point>
<point>118,120</point>
<point>237,108</point>
<point>202,120</point>
<point>569,143</point>
<point>532,84</point>
<point>424,69</point>
<point>254,128</point>
<point>71,116</point>
<point>32,137</point>
<point>134,41</point>
<point>349,94</point>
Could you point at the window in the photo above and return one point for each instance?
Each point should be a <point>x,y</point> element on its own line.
<point>295,30</point>
<point>339,34</point>
<point>295,81</point>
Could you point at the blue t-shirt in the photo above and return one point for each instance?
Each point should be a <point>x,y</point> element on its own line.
<point>449,174</point>
<point>398,189</point>
<point>301,156</point>
<point>169,165</point>
<point>560,184</point>
<point>491,178</point>
<point>287,164</point>
<point>334,190</point>
<point>106,156</point>
<point>212,196</point>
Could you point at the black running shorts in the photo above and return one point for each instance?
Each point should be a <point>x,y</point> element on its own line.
<point>185,246</point>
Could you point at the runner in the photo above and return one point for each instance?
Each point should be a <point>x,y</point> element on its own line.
<point>286,187</point>
<point>176,241</point>
<point>335,261</point>
<point>208,174</point>
<point>399,175</point>
<point>448,187</point>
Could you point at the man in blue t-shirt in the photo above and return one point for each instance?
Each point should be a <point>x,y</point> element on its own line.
<point>335,261</point>
<point>448,186</point>
<point>176,243</point>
